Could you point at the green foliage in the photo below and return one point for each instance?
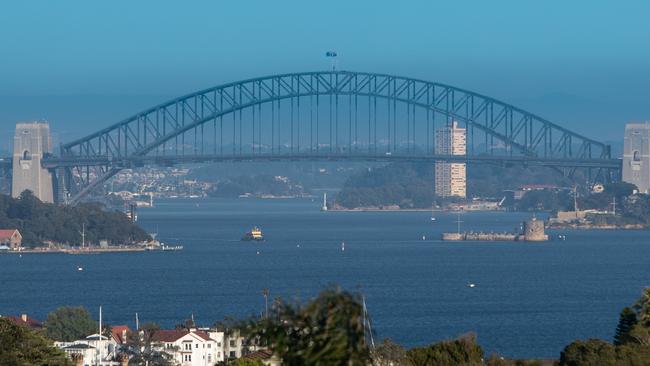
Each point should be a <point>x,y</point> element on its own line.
<point>486,180</point>
<point>603,201</point>
<point>39,222</point>
<point>22,346</point>
<point>641,330</point>
<point>406,185</point>
<point>327,330</point>
<point>141,349</point>
<point>496,360</point>
<point>463,351</point>
<point>412,185</point>
<point>636,209</point>
<point>388,353</point>
<point>255,185</point>
<point>546,200</point>
<point>626,322</point>
<point>69,324</point>
<point>245,362</point>
<point>595,352</point>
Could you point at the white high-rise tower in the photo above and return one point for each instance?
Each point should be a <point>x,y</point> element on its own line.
<point>451,177</point>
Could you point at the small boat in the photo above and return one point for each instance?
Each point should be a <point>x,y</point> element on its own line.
<point>255,234</point>
<point>343,246</point>
<point>471,285</point>
<point>80,268</point>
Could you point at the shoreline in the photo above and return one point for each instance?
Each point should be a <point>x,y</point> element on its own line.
<point>85,251</point>
<point>374,209</point>
<point>596,227</point>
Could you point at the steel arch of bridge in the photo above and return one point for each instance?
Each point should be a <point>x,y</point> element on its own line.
<point>159,133</point>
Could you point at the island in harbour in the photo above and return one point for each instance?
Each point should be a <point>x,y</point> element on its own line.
<point>40,227</point>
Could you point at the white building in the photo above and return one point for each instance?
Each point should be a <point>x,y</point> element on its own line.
<point>229,346</point>
<point>451,178</point>
<point>95,350</point>
<point>188,348</point>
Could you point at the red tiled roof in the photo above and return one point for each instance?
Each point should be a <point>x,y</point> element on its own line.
<point>169,335</point>
<point>203,335</point>
<point>118,331</point>
<point>7,233</point>
<point>263,354</point>
<point>174,335</point>
<point>27,322</point>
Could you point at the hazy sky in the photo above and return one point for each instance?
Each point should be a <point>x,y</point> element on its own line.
<point>580,63</point>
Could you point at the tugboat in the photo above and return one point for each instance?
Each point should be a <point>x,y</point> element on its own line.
<point>255,234</point>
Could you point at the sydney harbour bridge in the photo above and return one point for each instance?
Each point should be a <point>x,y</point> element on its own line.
<point>329,115</point>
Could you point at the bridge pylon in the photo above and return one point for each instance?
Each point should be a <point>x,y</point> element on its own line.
<point>32,141</point>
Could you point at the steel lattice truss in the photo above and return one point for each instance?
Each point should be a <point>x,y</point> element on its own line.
<point>343,115</point>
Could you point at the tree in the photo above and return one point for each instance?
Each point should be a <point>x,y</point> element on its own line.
<point>25,347</point>
<point>140,346</point>
<point>327,330</point>
<point>70,323</point>
<point>463,351</point>
<point>626,322</point>
<point>594,352</point>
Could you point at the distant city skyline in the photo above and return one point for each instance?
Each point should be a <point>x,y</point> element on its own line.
<point>83,66</point>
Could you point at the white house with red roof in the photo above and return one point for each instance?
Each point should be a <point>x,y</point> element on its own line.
<point>94,350</point>
<point>11,238</point>
<point>188,347</point>
<point>119,333</point>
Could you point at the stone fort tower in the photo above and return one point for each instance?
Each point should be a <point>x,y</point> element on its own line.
<point>31,141</point>
<point>636,155</point>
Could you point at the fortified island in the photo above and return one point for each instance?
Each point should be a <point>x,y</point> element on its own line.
<point>533,231</point>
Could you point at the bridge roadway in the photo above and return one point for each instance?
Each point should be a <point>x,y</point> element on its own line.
<point>138,161</point>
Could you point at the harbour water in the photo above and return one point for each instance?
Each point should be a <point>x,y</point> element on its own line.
<point>530,299</point>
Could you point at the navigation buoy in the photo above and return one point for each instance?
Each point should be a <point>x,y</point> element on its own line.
<point>258,252</point>
<point>424,237</point>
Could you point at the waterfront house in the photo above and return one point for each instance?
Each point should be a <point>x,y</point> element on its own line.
<point>187,347</point>
<point>230,344</point>
<point>25,321</point>
<point>11,238</point>
<point>91,349</point>
<point>119,333</point>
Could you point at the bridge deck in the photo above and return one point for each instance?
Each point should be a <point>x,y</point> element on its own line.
<point>173,160</point>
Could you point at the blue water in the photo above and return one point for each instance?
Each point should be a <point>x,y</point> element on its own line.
<point>530,300</point>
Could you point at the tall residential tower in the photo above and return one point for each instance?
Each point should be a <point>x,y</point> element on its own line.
<point>451,177</point>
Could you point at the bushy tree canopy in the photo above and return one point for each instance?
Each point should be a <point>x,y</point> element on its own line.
<point>69,324</point>
<point>22,346</point>
<point>327,330</point>
<point>39,222</point>
<point>463,351</point>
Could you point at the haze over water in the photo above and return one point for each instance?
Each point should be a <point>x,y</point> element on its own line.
<point>530,300</point>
